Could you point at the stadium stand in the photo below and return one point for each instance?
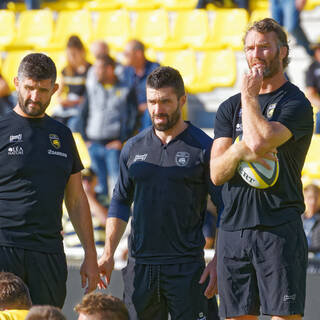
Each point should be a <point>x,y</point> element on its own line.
<point>176,5</point>
<point>29,33</point>
<point>112,27</point>
<point>7,30</point>
<point>140,4</point>
<point>98,5</point>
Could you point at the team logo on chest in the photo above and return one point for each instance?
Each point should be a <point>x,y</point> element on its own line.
<point>182,158</point>
<point>55,141</point>
<point>270,110</point>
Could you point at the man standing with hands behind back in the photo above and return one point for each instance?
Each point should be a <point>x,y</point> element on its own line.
<point>39,166</point>
<point>261,249</point>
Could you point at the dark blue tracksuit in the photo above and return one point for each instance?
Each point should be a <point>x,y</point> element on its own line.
<point>169,185</point>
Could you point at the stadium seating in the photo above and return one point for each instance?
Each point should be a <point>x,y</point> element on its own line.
<point>311,167</point>
<point>70,23</point>
<point>140,4</point>
<point>152,28</point>
<point>83,150</point>
<point>11,64</point>
<point>311,4</point>
<point>217,69</point>
<point>185,62</point>
<point>176,5</point>
<point>259,14</point>
<point>190,29</point>
<point>113,27</point>
<point>98,5</point>
<point>35,28</point>
<point>7,29</point>
<point>63,5</point>
<point>258,5</point>
<point>228,28</point>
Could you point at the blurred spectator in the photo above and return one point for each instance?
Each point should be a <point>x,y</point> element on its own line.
<point>311,218</point>
<point>72,86</point>
<point>100,306</point>
<point>31,4</point>
<point>244,4</point>
<point>98,211</point>
<point>136,72</point>
<point>6,102</point>
<point>15,300</point>
<point>108,119</point>
<point>99,48</point>
<point>287,14</point>
<point>312,82</point>
<point>45,313</point>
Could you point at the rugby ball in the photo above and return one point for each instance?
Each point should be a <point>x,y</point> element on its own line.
<point>257,175</point>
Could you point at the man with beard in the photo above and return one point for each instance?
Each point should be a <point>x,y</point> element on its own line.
<point>164,171</point>
<point>261,249</point>
<point>40,166</point>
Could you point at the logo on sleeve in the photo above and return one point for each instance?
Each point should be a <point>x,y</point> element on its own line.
<point>182,158</point>
<point>140,157</point>
<point>55,141</point>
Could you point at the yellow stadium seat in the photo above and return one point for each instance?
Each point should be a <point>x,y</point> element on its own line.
<point>311,4</point>
<point>185,62</point>
<point>59,58</point>
<point>217,69</point>
<point>82,149</point>
<point>63,5</point>
<point>11,64</point>
<point>35,28</point>
<point>71,23</point>
<point>258,5</point>
<point>176,5</point>
<point>259,14</point>
<point>140,4</point>
<point>312,163</point>
<point>152,28</point>
<point>229,26</point>
<point>103,5</point>
<point>190,29</point>
<point>16,6</point>
<point>113,27</point>
<point>7,29</point>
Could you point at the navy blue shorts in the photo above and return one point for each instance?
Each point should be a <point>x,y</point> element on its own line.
<point>153,291</point>
<point>45,274</point>
<point>262,269</point>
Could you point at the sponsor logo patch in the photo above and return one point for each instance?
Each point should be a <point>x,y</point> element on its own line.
<point>140,157</point>
<point>16,138</point>
<point>15,151</point>
<point>55,141</point>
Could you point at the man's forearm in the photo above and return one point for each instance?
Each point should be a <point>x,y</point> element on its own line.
<point>115,228</point>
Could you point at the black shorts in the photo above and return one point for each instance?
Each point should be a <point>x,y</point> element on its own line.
<point>153,291</point>
<point>45,274</point>
<point>262,267</point>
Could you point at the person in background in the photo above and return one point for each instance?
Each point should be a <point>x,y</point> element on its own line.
<point>101,306</point>
<point>15,300</point>
<point>45,313</point>
<point>287,14</point>
<point>312,83</point>
<point>73,84</point>
<point>136,73</point>
<point>108,118</point>
<point>311,218</point>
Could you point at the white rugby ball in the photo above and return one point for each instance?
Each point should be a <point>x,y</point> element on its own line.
<point>257,175</point>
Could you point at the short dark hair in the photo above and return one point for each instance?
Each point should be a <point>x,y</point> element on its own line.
<point>164,77</point>
<point>75,42</point>
<point>14,293</point>
<point>106,59</point>
<point>107,306</point>
<point>37,66</point>
<point>270,25</point>
<point>137,45</point>
<point>45,313</point>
